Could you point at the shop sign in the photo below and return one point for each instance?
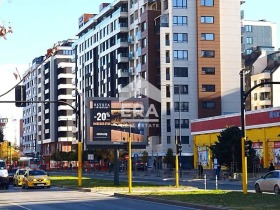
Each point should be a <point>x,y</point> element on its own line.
<point>277,144</point>
<point>274,114</point>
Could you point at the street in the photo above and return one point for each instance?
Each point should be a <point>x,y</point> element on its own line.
<point>16,198</point>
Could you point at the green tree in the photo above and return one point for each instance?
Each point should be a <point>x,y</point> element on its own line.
<point>169,158</point>
<point>228,148</point>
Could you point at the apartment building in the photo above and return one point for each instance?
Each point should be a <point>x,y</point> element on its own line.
<point>189,50</point>
<point>47,127</point>
<point>258,33</point>
<point>264,67</point>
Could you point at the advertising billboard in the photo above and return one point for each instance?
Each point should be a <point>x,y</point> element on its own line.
<point>111,122</point>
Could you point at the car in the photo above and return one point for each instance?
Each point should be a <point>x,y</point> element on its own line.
<point>11,173</point>
<point>4,176</point>
<point>140,166</point>
<point>18,177</point>
<point>36,178</point>
<point>269,183</point>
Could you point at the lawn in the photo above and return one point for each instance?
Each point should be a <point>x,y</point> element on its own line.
<point>229,199</point>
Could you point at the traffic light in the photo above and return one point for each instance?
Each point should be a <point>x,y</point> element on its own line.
<point>179,148</point>
<point>20,95</point>
<point>247,147</point>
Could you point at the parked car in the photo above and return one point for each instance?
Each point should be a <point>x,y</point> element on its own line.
<point>11,173</point>
<point>18,177</point>
<point>36,178</point>
<point>269,183</point>
<point>4,176</point>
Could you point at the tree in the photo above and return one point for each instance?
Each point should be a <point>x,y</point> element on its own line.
<point>228,148</point>
<point>169,158</point>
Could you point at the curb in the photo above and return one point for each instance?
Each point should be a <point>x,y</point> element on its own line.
<point>169,202</point>
<point>75,188</point>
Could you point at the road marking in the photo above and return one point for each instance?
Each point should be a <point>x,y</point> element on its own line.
<point>88,204</point>
<point>20,206</point>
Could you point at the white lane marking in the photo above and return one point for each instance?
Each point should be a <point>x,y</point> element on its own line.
<point>20,206</point>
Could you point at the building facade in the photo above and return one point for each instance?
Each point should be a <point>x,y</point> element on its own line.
<point>180,47</point>
<point>262,128</point>
<point>47,127</point>
<point>258,33</point>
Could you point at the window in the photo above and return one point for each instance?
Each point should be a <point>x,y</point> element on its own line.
<point>180,54</point>
<point>185,140</point>
<point>249,40</point>
<point>167,73</point>
<point>208,53</point>
<point>208,88</point>
<point>167,91</point>
<point>144,59</point>
<point>208,70</point>
<point>248,28</point>
<point>207,36</point>
<point>206,19</point>
<point>184,123</point>
<point>207,3</point>
<point>208,105</point>
<point>180,72</point>
<point>255,96</point>
<point>179,20</point>
<point>144,42</point>
<point>144,26</point>
<point>168,139</point>
<point>168,125</point>
<point>167,108</point>
<point>184,106</point>
<point>179,3</point>
<point>180,37</point>
<point>184,89</point>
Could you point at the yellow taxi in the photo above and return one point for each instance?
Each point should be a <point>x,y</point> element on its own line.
<point>36,178</point>
<point>18,177</point>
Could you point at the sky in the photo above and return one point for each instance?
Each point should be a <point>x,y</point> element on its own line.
<point>39,24</point>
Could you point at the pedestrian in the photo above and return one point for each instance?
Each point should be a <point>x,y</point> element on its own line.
<point>200,170</point>
<point>155,164</point>
<point>271,167</point>
<point>71,166</point>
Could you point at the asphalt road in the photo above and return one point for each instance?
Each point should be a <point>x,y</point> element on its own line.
<point>56,198</point>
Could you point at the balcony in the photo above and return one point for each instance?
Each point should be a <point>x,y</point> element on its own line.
<point>122,73</point>
<point>122,88</point>
<point>138,68</point>
<point>131,71</point>
<point>130,40</point>
<point>138,35</point>
<point>139,52</point>
<point>130,55</point>
<point>122,57</point>
<point>122,42</point>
